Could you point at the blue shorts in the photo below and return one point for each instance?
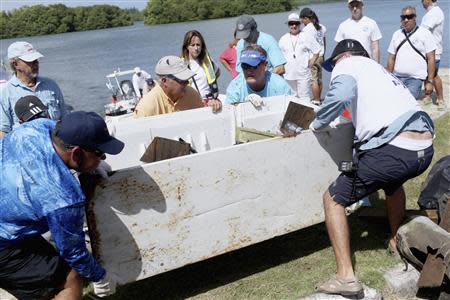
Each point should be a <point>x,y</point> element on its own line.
<point>436,65</point>
<point>414,85</point>
<point>386,167</point>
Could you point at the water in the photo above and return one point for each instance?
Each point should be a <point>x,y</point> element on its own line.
<point>79,61</point>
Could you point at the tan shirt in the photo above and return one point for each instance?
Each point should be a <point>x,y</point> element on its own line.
<point>156,102</point>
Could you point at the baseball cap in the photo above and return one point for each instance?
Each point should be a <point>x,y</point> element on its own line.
<point>137,70</point>
<point>350,1</point>
<point>306,13</point>
<point>343,46</point>
<point>88,130</point>
<point>244,26</point>
<point>28,107</point>
<point>175,66</point>
<point>293,18</point>
<point>252,57</point>
<point>24,51</point>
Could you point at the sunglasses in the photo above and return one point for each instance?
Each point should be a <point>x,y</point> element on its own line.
<point>293,23</point>
<point>249,67</point>
<point>182,82</point>
<point>97,153</point>
<point>409,17</point>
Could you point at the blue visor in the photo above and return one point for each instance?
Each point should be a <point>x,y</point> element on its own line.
<point>252,57</point>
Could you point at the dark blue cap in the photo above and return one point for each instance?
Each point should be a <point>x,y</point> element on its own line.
<point>252,57</point>
<point>88,130</point>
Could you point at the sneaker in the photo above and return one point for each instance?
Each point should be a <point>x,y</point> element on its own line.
<point>343,287</point>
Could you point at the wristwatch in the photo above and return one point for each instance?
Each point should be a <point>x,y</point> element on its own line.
<point>431,81</point>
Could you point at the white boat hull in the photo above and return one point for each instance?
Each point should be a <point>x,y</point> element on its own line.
<point>156,217</point>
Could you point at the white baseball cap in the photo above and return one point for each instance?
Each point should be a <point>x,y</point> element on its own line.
<point>175,66</point>
<point>137,70</point>
<point>293,18</point>
<point>24,51</point>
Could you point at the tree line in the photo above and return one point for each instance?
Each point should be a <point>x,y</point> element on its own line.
<point>58,18</point>
<point>171,11</point>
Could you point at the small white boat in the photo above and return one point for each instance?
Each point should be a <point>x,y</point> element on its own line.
<point>149,218</point>
<point>123,98</point>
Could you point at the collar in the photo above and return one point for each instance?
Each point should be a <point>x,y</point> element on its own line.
<point>17,82</point>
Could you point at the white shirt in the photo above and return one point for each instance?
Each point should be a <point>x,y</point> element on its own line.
<point>297,49</point>
<point>408,62</point>
<point>382,98</point>
<point>318,35</point>
<point>200,79</point>
<point>364,31</point>
<point>139,82</point>
<point>433,20</point>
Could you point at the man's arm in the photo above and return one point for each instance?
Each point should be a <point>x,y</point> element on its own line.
<point>278,70</point>
<point>431,66</point>
<point>2,134</point>
<point>390,63</point>
<point>136,86</point>
<point>343,90</point>
<point>66,227</point>
<point>375,45</point>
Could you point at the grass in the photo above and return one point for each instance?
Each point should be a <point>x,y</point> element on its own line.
<point>286,267</point>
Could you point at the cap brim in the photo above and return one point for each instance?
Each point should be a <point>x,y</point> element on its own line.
<point>113,146</point>
<point>184,75</point>
<point>251,61</point>
<point>243,34</point>
<point>328,64</point>
<point>31,57</point>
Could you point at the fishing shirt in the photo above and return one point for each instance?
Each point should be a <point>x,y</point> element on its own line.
<point>376,100</point>
<point>39,193</point>
<point>238,89</point>
<point>46,90</point>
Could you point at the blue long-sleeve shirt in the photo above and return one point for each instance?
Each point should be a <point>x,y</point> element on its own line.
<point>38,193</point>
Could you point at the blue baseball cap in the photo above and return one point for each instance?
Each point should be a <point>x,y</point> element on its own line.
<point>252,57</point>
<point>88,130</point>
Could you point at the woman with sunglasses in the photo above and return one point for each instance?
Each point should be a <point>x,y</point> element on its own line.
<point>196,55</point>
<point>301,52</point>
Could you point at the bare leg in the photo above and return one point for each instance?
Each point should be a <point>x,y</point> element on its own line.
<point>73,287</point>
<point>339,234</point>
<point>396,208</point>
<point>316,90</point>
<point>439,90</point>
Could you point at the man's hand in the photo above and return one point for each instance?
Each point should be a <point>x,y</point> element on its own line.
<point>106,286</point>
<point>103,169</point>
<point>428,88</point>
<point>215,104</point>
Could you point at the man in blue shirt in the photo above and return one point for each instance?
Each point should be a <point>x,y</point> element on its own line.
<point>255,79</point>
<point>39,193</point>
<point>247,33</point>
<point>24,61</point>
<point>394,142</point>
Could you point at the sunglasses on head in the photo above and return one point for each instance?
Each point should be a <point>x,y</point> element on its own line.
<point>249,67</point>
<point>293,23</point>
<point>409,17</point>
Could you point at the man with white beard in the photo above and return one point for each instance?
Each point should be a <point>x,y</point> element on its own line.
<point>24,62</point>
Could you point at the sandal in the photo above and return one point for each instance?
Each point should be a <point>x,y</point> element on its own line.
<point>343,287</point>
<point>440,104</point>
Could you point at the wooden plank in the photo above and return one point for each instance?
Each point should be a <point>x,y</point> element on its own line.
<point>162,148</point>
<point>433,270</point>
<point>298,114</point>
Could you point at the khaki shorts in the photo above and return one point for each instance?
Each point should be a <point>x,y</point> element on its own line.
<point>316,70</point>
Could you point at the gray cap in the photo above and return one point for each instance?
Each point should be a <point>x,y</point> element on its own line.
<point>175,66</point>
<point>244,25</point>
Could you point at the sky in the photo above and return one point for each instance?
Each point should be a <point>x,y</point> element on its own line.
<point>12,4</point>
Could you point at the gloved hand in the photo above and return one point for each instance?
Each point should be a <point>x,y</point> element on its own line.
<point>103,169</point>
<point>106,286</point>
